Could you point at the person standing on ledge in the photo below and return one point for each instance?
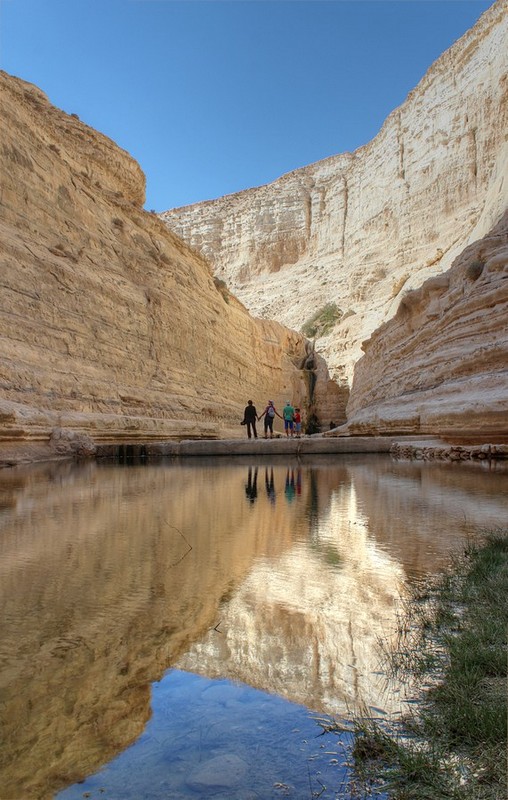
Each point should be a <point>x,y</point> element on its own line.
<point>288,413</point>
<point>297,419</point>
<point>269,415</point>
<point>250,416</point>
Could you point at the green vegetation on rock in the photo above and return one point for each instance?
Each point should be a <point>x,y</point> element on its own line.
<point>222,288</point>
<point>322,321</point>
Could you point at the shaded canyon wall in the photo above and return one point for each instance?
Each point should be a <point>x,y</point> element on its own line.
<point>441,364</point>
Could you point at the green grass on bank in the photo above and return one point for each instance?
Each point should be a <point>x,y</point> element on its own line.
<point>453,639</point>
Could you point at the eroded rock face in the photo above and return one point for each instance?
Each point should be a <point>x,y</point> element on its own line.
<point>441,364</point>
<point>111,326</point>
<point>363,229</point>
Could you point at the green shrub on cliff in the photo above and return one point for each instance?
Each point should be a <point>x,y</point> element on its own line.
<point>322,321</point>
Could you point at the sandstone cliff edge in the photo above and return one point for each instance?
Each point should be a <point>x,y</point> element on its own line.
<point>112,328</point>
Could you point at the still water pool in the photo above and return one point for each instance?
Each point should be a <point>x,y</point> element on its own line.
<point>178,630</point>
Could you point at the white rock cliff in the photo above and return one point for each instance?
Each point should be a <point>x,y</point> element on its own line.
<point>364,229</point>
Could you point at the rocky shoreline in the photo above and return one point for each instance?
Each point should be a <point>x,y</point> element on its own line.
<point>80,447</point>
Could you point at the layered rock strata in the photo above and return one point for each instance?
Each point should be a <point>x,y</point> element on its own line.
<point>111,327</point>
<point>363,229</point>
<point>441,364</point>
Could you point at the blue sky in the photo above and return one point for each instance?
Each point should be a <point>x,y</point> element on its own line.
<point>215,96</point>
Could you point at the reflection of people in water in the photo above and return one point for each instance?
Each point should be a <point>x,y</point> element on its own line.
<point>290,488</point>
<point>270,486</point>
<point>251,487</point>
<point>298,482</point>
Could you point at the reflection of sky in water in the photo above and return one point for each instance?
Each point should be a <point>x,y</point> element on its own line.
<point>273,576</point>
<point>227,741</point>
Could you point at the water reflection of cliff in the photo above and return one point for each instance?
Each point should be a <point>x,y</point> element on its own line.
<point>418,511</point>
<point>306,623</point>
<point>308,627</point>
<point>108,576</point>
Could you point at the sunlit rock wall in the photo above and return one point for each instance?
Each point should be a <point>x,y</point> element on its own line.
<point>110,325</point>
<point>362,229</point>
<point>441,364</point>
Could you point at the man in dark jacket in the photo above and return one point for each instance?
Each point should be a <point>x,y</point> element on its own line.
<point>250,416</point>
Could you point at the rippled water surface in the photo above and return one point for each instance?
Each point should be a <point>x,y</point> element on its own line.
<point>173,630</point>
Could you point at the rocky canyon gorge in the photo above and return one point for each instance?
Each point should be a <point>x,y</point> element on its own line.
<point>353,238</point>
<point>112,328</point>
<point>119,325</point>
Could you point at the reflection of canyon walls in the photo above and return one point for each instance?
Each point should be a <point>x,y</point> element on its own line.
<point>110,325</point>
<point>106,576</point>
<point>420,512</point>
<point>310,633</point>
<point>110,575</point>
<point>309,627</point>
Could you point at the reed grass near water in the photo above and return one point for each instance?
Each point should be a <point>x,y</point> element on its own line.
<point>453,641</point>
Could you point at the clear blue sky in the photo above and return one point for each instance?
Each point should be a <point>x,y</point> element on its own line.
<point>215,96</point>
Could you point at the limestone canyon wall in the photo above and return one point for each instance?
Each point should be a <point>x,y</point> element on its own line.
<point>111,326</point>
<point>363,229</point>
<point>441,364</point>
